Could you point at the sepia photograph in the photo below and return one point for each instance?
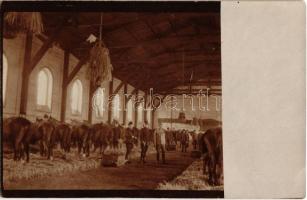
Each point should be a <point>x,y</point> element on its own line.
<point>112,99</point>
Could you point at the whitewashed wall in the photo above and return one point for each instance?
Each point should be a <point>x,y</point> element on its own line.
<point>54,61</point>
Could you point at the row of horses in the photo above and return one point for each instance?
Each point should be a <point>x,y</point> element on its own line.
<point>21,133</point>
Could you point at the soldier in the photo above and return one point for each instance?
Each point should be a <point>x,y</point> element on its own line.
<point>184,141</point>
<point>160,141</point>
<point>116,135</point>
<point>144,138</point>
<point>194,140</point>
<point>168,139</point>
<point>129,140</point>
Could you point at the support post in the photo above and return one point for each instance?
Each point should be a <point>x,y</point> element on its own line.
<point>26,74</point>
<point>64,85</point>
<point>145,107</point>
<point>153,118</point>
<point>125,104</point>
<point>90,106</point>
<point>136,108</point>
<point>110,103</point>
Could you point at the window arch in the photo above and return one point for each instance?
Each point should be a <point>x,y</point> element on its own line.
<point>116,107</point>
<point>98,101</point>
<point>44,88</point>
<point>4,76</point>
<point>129,111</point>
<point>76,97</point>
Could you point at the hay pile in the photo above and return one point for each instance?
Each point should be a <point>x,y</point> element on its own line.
<point>40,166</point>
<point>191,179</point>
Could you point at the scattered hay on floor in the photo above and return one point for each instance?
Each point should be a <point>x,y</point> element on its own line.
<point>40,166</point>
<point>191,179</point>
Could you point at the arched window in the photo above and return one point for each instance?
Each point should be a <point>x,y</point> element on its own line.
<point>98,101</point>
<point>4,78</point>
<point>129,111</point>
<point>140,114</point>
<point>76,97</point>
<point>116,107</point>
<point>44,88</point>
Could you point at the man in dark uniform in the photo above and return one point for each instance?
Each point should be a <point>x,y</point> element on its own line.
<point>168,141</point>
<point>144,139</point>
<point>116,134</point>
<point>194,140</point>
<point>184,141</point>
<point>160,141</point>
<point>129,140</point>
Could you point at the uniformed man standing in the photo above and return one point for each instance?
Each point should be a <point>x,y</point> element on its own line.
<point>116,135</point>
<point>160,141</point>
<point>184,141</point>
<point>144,138</point>
<point>129,140</point>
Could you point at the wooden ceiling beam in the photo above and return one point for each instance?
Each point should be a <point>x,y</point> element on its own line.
<point>205,83</point>
<point>118,87</point>
<point>175,56</point>
<point>154,37</point>
<point>77,68</point>
<point>44,48</point>
<point>178,67</point>
<point>188,91</point>
<point>187,39</point>
<point>193,93</point>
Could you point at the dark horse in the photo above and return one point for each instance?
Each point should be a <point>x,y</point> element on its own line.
<point>101,135</point>
<point>14,131</point>
<point>81,136</point>
<point>42,131</point>
<point>212,148</point>
<point>63,134</point>
<point>48,138</point>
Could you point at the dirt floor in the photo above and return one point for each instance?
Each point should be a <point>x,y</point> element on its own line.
<point>130,176</point>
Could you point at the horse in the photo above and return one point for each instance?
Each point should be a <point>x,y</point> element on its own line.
<point>101,136</point>
<point>81,136</point>
<point>63,134</point>
<point>212,148</point>
<point>14,131</point>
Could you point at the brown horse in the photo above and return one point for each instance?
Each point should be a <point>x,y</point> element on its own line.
<point>14,131</point>
<point>62,134</point>
<point>213,155</point>
<point>102,135</point>
<point>81,136</point>
<point>48,138</point>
